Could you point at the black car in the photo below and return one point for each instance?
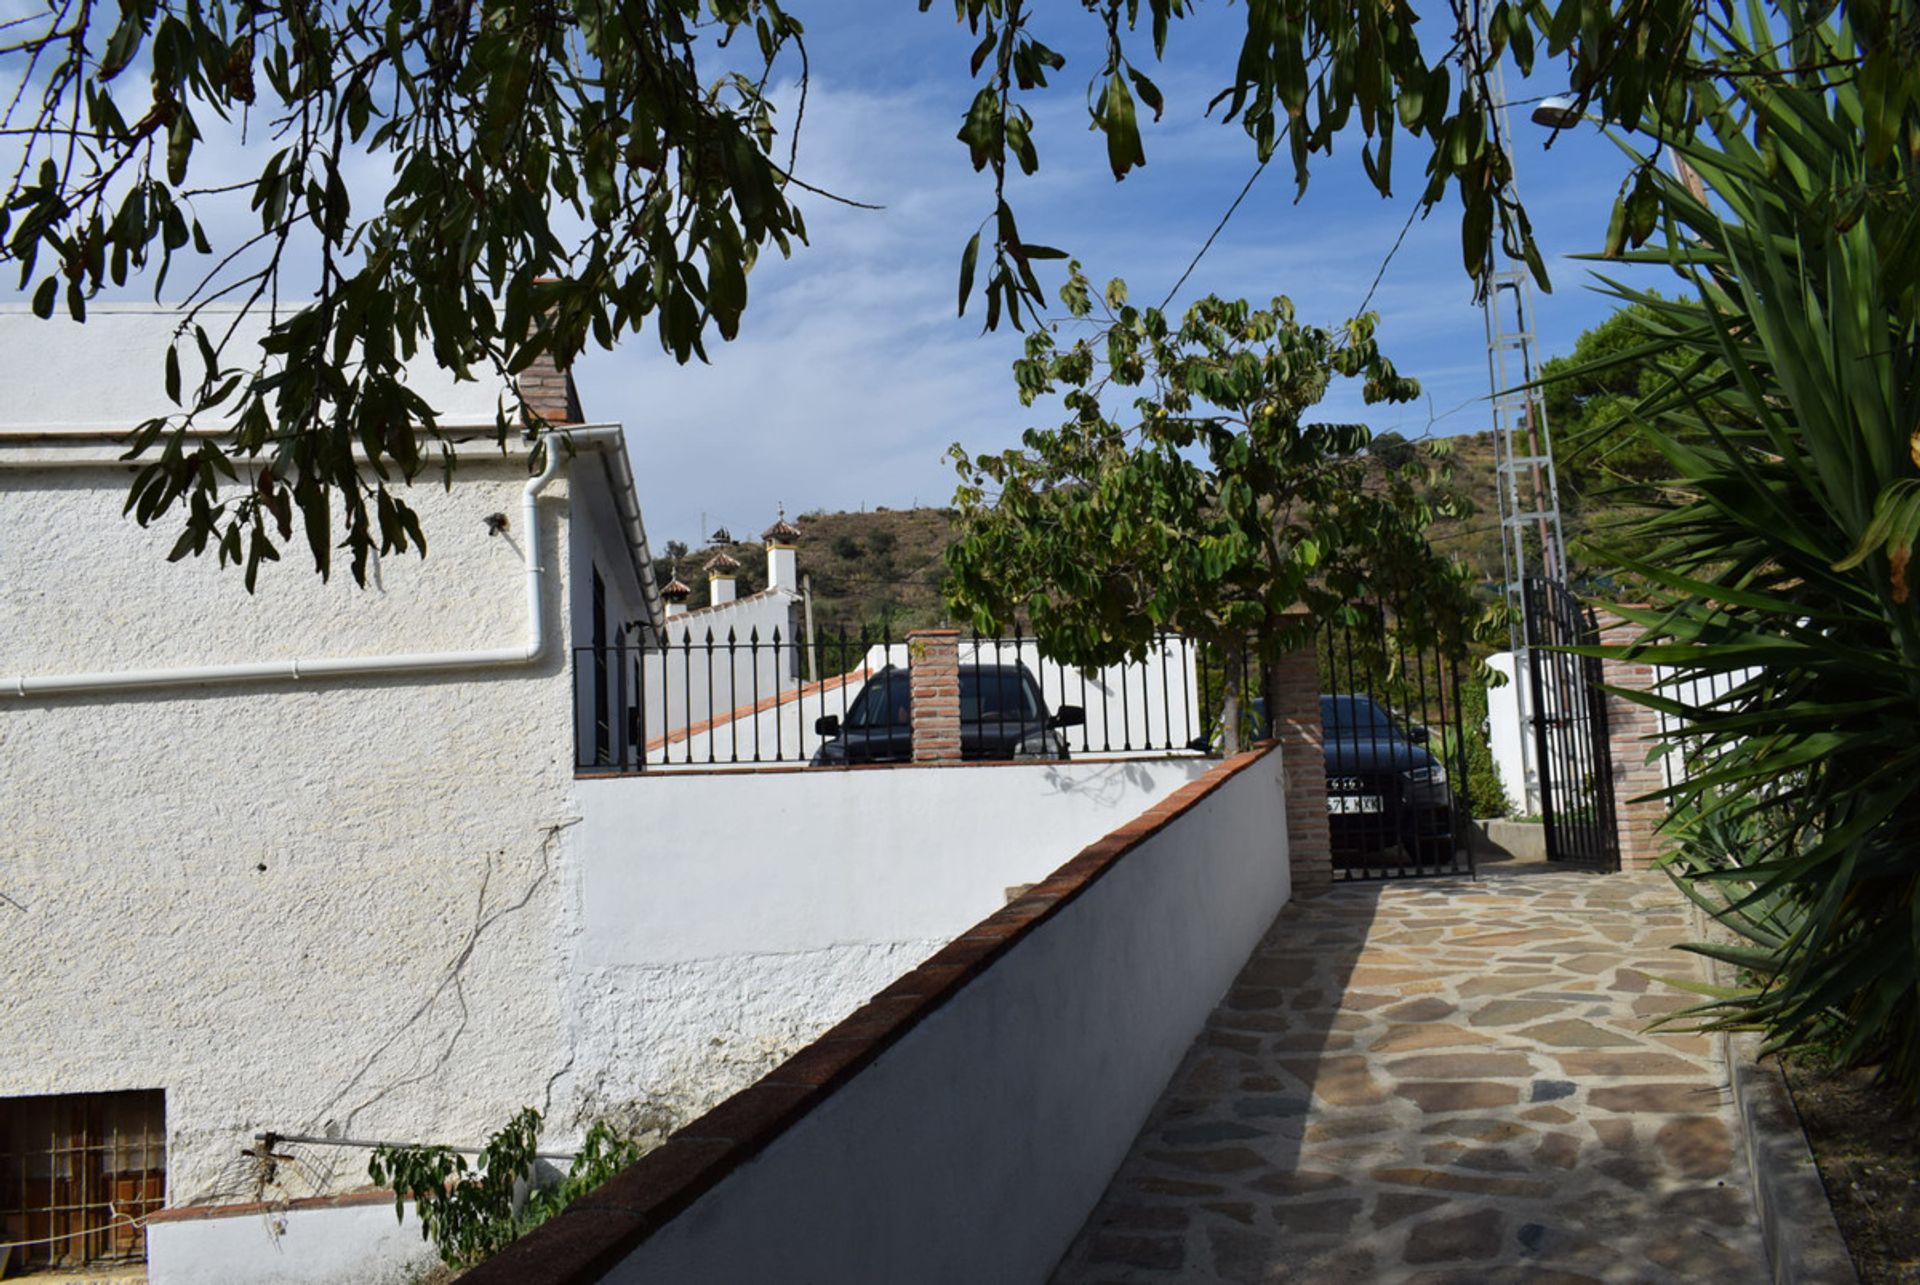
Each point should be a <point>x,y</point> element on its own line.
<point>1002,716</point>
<point>1385,789</point>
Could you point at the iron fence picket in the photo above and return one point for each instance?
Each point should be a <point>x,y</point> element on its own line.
<point>652,703</point>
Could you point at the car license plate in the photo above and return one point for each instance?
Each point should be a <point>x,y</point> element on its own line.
<point>1346,803</point>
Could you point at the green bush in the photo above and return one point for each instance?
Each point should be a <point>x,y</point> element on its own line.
<point>1482,791</point>
<point>472,1211</point>
<point>1780,562</point>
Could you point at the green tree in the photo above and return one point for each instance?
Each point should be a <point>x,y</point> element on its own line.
<point>1781,557</point>
<point>1215,509</point>
<point>1590,396</point>
<point>566,173</point>
<point>1610,474</point>
<point>1393,450</point>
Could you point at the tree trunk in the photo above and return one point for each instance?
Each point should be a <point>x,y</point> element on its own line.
<point>1230,718</point>
<point>1270,692</point>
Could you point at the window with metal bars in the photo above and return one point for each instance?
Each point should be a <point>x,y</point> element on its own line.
<point>79,1173</point>
<point>602,701</point>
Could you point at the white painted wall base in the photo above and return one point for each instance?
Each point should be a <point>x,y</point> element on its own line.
<point>974,1149</point>
<point>360,1243</point>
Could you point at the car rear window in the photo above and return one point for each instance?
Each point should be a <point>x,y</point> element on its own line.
<point>986,696</point>
<point>989,694</point>
<point>885,703</point>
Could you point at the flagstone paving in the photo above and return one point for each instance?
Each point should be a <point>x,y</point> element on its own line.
<point>1443,1081</point>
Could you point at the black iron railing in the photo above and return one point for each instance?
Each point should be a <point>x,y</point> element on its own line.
<point>1395,744</point>
<point>1569,716</point>
<point>724,699</point>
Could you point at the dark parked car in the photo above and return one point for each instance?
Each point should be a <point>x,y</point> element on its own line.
<point>1002,716</point>
<point>1385,789</point>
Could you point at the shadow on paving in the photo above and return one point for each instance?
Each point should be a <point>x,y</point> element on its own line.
<point>1446,1080</point>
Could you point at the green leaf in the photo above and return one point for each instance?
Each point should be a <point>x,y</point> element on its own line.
<point>1149,93</point>
<point>968,258</point>
<point>1124,151</point>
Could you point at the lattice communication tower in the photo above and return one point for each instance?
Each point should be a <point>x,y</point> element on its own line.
<point>1531,543</point>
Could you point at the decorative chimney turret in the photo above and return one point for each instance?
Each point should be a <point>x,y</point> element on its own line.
<point>721,570</point>
<point>676,593</point>
<point>783,560</point>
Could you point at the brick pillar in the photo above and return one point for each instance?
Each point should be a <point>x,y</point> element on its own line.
<point>934,669</point>
<point>1632,730</point>
<point>1296,725</point>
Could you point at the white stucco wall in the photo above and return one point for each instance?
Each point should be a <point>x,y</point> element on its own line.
<point>974,1149</point>
<point>727,919</point>
<point>284,904</point>
<point>362,1243</point>
<point>597,544</point>
<point>1505,728</point>
<point>109,374</point>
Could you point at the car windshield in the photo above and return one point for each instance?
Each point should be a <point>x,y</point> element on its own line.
<point>986,696</point>
<point>1351,716</point>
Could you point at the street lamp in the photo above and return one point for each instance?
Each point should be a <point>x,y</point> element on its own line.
<point>1557,112</point>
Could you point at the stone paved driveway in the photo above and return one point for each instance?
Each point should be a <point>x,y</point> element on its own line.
<point>1443,1081</point>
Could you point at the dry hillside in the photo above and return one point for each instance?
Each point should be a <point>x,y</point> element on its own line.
<point>883,568</point>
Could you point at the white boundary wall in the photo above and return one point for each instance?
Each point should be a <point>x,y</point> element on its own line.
<point>1506,728</point>
<point>974,1149</point>
<point>363,1243</point>
<point>724,921</point>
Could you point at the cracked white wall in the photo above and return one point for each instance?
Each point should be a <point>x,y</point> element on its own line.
<point>290,906</point>
<point>707,951</point>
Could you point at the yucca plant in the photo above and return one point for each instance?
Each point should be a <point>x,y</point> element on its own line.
<point>1780,568</point>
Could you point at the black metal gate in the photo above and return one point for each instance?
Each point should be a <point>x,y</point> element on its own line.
<point>1569,725</point>
<point>1396,743</point>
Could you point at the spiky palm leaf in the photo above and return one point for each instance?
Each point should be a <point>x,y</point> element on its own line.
<point>1793,435</point>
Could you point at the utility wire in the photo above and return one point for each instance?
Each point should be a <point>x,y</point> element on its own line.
<point>1218,228</point>
<point>1397,242</point>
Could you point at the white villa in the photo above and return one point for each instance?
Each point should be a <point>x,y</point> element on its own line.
<point>330,864</point>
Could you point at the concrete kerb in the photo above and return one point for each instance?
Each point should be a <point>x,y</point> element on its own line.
<point>1797,1226</point>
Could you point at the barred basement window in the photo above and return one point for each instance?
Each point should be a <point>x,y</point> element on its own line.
<point>79,1173</point>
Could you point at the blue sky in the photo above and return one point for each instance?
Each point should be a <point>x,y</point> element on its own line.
<point>852,375</point>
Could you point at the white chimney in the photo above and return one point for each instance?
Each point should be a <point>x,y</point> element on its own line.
<point>783,559</point>
<point>676,594</point>
<point>721,570</point>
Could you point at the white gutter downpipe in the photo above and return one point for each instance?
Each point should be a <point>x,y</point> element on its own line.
<point>340,666</point>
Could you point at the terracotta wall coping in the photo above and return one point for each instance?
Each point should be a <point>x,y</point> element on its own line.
<point>347,1200</point>
<point>723,768</point>
<point>603,1227</point>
